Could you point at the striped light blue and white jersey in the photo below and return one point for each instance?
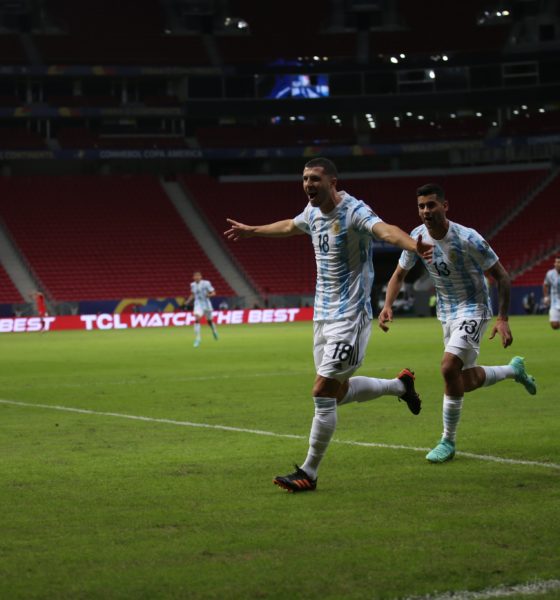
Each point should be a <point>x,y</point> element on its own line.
<point>343,244</point>
<point>200,291</point>
<point>457,271</point>
<point>552,279</point>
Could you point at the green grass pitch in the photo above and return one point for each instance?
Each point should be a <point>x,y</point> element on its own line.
<point>99,506</point>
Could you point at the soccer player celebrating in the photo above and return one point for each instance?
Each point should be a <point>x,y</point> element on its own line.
<point>461,258</point>
<point>201,292</point>
<point>342,229</point>
<point>551,293</point>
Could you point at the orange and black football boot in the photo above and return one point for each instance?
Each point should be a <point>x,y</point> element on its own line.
<point>298,481</point>
<point>410,395</point>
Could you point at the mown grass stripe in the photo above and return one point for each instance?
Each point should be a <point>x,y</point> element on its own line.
<point>86,411</point>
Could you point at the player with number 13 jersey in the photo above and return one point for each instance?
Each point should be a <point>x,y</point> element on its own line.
<point>457,271</point>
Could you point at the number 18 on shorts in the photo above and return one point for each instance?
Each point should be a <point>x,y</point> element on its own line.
<point>340,346</point>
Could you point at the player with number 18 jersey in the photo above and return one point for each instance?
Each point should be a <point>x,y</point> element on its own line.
<point>343,245</point>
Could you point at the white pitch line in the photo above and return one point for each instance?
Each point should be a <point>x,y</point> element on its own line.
<point>87,411</point>
<point>503,591</point>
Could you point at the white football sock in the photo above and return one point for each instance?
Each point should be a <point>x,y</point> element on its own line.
<point>497,374</point>
<point>197,330</point>
<point>452,406</point>
<point>362,389</point>
<point>322,429</point>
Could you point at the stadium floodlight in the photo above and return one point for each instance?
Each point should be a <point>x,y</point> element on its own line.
<point>431,74</point>
<point>524,106</point>
<point>453,115</point>
<point>235,23</point>
<point>420,117</point>
<point>494,123</point>
<point>394,60</point>
<point>505,13</point>
<point>409,114</point>
<point>478,114</point>
<point>402,55</point>
<point>541,110</point>
<point>445,58</point>
<point>515,112</point>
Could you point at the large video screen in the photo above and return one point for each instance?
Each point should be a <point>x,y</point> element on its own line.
<point>300,86</point>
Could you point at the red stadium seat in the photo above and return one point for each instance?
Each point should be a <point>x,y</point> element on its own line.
<point>9,294</point>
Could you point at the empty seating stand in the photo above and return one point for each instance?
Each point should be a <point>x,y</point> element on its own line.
<point>96,238</point>
<point>9,294</point>
<point>533,230</point>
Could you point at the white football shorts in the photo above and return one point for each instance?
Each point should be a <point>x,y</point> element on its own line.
<point>339,347</point>
<point>200,311</point>
<point>554,315</point>
<point>462,338</point>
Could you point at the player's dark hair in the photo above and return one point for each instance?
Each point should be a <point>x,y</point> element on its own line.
<point>431,188</point>
<point>328,166</point>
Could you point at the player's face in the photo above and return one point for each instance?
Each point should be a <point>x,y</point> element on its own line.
<point>557,264</point>
<point>197,277</point>
<point>432,212</point>
<point>318,186</point>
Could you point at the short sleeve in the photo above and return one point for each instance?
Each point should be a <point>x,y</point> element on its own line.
<point>481,251</point>
<point>302,220</point>
<point>407,260</point>
<point>363,218</point>
<point>210,287</point>
<point>547,279</point>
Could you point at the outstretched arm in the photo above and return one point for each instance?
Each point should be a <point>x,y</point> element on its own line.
<point>393,288</point>
<point>504,285</point>
<point>239,231</point>
<point>396,236</point>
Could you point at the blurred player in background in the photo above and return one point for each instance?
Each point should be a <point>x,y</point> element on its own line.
<point>201,292</point>
<point>551,293</point>
<point>40,306</point>
<point>342,229</point>
<point>461,258</point>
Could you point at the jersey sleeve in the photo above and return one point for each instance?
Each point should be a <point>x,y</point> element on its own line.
<point>407,259</point>
<point>363,218</point>
<point>481,251</point>
<point>302,220</point>
<point>547,279</point>
<point>209,287</point>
